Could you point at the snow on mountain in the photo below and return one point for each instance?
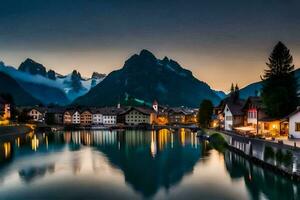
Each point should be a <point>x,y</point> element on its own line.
<point>63,83</point>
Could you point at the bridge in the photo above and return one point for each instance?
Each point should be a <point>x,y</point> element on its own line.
<point>176,127</point>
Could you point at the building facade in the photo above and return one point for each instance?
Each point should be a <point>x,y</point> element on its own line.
<point>86,118</point>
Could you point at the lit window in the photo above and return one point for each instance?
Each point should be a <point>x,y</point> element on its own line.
<point>297,126</point>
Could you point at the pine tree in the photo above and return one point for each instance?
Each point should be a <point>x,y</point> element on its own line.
<point>279,92</point>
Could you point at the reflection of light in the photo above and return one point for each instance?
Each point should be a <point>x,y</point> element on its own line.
<point>153,144</point>
<point>34,143</point>
<point>7,149</point>
<point>18,142</point>
<point>182,136</point>
<point>47,142</point>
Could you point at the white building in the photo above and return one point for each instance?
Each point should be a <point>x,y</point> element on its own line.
<point>294,124</point>
<point>228,119</point>
<point>97,117</point>
<point>233,115</point>
<point>109,119</point>
<point>37,114</point>
<point>76,117</point>
<point>136,115</point>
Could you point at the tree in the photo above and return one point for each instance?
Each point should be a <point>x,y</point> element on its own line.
<point>205,113</point>
<point>279,91</point>
<point>234,92</point>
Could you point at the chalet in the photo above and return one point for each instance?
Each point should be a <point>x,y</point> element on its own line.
<point>86,118</point>
<point>294,124</point>
<point>5,109</point>
<point>233,114</point>
<point>254,113</point>
<point>37,114</point>
<point>138,115</point>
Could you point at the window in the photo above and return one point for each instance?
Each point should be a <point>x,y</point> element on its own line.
<point>297,126</point>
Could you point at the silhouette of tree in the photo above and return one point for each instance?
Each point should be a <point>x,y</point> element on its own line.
<point>279,92</point>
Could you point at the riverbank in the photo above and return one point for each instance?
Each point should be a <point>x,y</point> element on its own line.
<point>14,130</point>
<point>277,157</point>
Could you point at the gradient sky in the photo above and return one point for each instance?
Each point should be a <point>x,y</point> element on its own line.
<point>221,41</point>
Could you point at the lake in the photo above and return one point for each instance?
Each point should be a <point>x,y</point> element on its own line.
<point>131,165</point>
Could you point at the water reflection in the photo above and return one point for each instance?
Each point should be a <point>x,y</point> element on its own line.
<point>130,164</point>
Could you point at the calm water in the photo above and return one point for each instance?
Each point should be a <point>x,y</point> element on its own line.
<point>130,165</point>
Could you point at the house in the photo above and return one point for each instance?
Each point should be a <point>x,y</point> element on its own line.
<point>37,114</point>
<point>76,117</point>
<point>67,117</point>
<point>5,109</point>
<point>86,118</point>
<point>110,114</point>
<point>182,115</point>
<point>55,115</point>
<point>294,124</point>
<point>254,112</point>
<point>233,114</point>
<point>97,117</point>
<point>138,115</point>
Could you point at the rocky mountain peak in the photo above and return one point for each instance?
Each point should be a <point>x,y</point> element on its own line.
<point>32,67</point>
<point>97,75</point>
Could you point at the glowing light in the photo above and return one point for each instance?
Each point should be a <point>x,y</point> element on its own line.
<point>34,143</point>
<point>7,149</point>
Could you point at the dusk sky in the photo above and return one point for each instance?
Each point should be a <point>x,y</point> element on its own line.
<point>221,41</point>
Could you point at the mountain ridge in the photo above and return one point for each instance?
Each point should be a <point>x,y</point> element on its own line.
<point>146,77</point>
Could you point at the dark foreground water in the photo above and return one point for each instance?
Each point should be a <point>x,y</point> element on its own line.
<point>130,165</point>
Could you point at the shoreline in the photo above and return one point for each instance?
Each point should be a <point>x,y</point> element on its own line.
<point>294,176</point>
<point>8,131</point>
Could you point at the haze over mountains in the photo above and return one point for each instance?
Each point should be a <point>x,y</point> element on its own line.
<point>143,76</point>
<point>49,86</point>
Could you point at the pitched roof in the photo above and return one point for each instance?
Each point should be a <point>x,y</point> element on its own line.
<point>236,107</point>
<point>181,110</point>
<point>255,101</point>
<point>143,110</point>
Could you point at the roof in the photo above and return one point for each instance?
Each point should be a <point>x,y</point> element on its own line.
<point>181,110</point>
<point>236,107</point>
<point>293,113</point>
<point>40,109</point>
<point>110,110</point>
<point>254,101</point>
<point>269,119</point>
<point>143,110</point>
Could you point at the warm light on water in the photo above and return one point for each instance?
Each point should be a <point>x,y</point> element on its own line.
<point>130,165</point>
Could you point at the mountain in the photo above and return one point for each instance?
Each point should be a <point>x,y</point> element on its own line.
<point>255,88</point>
<point>20,96</point>
<point>220,94</point>
<point>49,86</point>
<point>146,77</point>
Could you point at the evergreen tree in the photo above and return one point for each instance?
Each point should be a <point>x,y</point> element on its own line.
<point>279,92</point>
<point>205,113</point>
